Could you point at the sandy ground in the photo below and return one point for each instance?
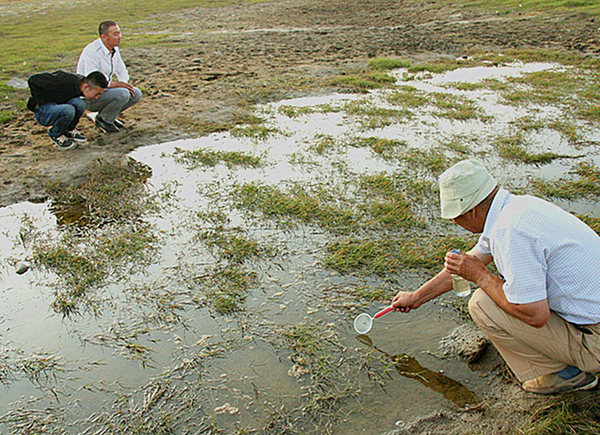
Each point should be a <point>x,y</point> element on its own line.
<point>194,84</point>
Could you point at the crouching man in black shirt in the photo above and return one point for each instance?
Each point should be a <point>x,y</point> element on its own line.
<point>56,101</point>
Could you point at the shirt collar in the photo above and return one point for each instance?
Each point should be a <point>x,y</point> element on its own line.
<point>103,48</point>
<point>500,200</point>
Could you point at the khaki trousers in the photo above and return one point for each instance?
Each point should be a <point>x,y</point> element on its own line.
<point>531,352</point>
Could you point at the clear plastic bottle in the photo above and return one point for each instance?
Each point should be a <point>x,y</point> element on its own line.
<point>460,286</point>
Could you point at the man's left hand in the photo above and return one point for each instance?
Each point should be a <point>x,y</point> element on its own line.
<point>468,266</point>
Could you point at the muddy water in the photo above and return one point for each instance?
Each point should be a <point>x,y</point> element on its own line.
<point>237,369</point>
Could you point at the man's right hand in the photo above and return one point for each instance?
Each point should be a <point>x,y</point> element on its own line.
<point>122,85</point>
<point>404,302</point>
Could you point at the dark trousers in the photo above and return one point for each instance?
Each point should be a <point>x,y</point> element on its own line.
<point>62,117</point>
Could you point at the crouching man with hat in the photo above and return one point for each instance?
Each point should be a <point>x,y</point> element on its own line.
<point>543,312</point>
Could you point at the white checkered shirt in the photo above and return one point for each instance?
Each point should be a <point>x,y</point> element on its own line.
<point>544,252</point>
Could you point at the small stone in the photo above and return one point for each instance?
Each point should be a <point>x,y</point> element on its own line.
<point>21,267</point>
<point>466,342</point>
<point>17,83</point>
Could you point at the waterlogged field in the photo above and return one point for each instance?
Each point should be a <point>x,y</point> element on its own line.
<point>210,285</point>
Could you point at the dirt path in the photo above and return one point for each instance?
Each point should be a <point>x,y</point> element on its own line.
<point>201,81</point>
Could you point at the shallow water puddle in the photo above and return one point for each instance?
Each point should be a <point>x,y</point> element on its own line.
<point>162,351</point>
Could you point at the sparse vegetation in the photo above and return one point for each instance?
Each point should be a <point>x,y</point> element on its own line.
<point>206,157</point>
<point>513,148</point>
<point>588,183</point>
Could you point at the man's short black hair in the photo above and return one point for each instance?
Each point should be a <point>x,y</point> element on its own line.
<point>96,79</point>
<point>105,25</point>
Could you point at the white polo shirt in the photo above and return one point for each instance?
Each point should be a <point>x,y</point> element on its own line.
<point>544,252</point>
<point>96,57</point>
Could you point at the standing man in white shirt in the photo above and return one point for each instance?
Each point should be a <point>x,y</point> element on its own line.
<point>103,55</point>
<point>543,312</point>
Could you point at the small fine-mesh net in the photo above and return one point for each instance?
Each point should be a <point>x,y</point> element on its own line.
<point>362,324</point>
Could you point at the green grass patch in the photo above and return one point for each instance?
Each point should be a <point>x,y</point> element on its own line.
<point>26,46</point>
<point>256,132</point>
<point>569,413</point>
<point>380,146</point>
<point>513,148</point>
<point>193,159</point>
<point>388,63</point>
<point>391,256</point>
<point>298,204</point>
<point>408,96</point>
<point>592,222</point>
<point>6,116</point>
<point>456,107</point>
<point>398,186</point>
<point>459,146</point>
<point>372,116</point>
<point>432,159</point>
<point>295,111</point>
<point>363,80</point>
<point>224,287</point>
<point>85,261</point>
<point>233,246</point>
<point>324,144</point>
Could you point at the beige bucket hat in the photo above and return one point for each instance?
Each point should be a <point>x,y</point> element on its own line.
<point>463,186</point>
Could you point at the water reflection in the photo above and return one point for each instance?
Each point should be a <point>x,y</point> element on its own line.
<point>409,367</point>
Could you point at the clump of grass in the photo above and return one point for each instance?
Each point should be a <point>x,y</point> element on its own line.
<point>363,80</point>
<point>512,148</point>
<point>206,157</point>
<point>455,107</point>
<point>381,146</point>
<point>298,204</point>
<point>234,247</point>
<point>390,256</point>
<point>408,96</point>
<point>434,67</point>
<point>84,262</point>
<point>224,287</point>
<point>256,132</point>
<point>458,145</point>
<point>569,130</point>
<point>324,143</point>
<point>588,183</point>
<point>295,111</point>
<point>393,213</point>
<point>592,222</point>
<point>40,368</point>
<point>112,193</point>
<point>567,414</point>
<point>372,116</point>
<point>6,116</point>
<point>387,63</point>
<point>398,186</point>
<point>432,159</point>
<point>332,380</point>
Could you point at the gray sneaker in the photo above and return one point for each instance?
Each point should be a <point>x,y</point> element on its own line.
<point>554,384</point>
<point>107,127</point>
<point>62,142</point>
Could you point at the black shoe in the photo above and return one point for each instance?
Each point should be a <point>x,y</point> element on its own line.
<point>108,127</point>
<point>75,136</point>
<point>63,143</point>
<point>119,124</point>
